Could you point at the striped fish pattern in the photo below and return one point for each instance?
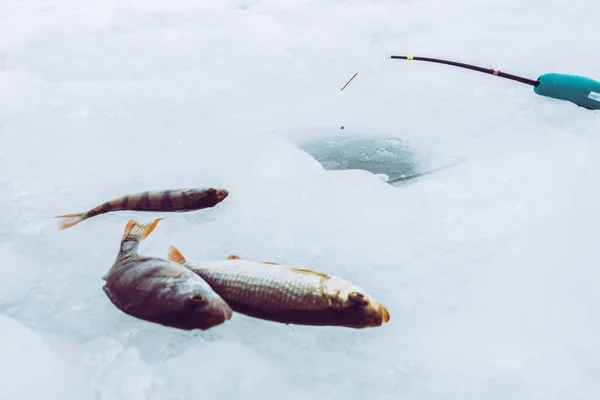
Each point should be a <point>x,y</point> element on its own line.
<point>283,294</point>
<point>172,200</point>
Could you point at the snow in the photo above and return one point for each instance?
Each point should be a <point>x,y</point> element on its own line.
<point>489,269</point>
<point>26,358</point>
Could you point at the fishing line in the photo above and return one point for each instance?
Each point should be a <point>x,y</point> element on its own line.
<point>353,76</point>
<point>404,178</point>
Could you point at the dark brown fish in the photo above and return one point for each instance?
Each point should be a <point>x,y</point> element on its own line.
<point>161,291</point>
<point>177,200</point>
<point>288,295</point>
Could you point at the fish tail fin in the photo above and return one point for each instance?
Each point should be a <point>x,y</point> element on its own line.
<point>139,232</point>
<point>70,219</point>
<point>175,255</point>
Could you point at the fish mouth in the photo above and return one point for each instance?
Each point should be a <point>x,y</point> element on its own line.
<point>217,310</point>
<point>226,311</point>
<point>222,194</point>
<point>208,310</point>
<point>385,315</point>
<point>220,308</point>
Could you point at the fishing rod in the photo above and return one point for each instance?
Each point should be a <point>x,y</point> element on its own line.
<point>582,91</point>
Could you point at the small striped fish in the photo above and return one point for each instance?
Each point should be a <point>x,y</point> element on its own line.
<point>178,200</point>
<point>160,291</point>
<point>287,295</point>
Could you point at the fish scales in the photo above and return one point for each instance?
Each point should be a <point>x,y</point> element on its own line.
<point>262,285</point>
<point>287,295</point>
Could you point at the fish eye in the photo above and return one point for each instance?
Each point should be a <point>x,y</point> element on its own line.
<point>358,298</point>
<point>196,300</point>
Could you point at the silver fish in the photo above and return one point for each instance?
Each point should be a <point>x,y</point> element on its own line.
<point>158,290</point>
<point>287,295</point>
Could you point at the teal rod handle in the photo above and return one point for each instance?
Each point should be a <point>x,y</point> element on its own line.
<point>584,92</point>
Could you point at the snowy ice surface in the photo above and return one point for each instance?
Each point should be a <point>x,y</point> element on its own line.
<point>490,270</point>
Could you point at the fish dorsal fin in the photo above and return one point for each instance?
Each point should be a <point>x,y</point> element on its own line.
<point>309,272</point>
<point>236,257</point>
<point>176,256</point>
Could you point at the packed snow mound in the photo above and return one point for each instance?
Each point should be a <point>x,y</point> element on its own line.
<point>489,270</point>
<point>29,369</point>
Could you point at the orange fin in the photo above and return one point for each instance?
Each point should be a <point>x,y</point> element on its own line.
<point>70,220</point>
<point>176,256</point>
<point>270,262</point>
<point>140,232</point>
<point>310,272</point>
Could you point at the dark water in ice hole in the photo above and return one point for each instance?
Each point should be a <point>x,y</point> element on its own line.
<point>386,155</point>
